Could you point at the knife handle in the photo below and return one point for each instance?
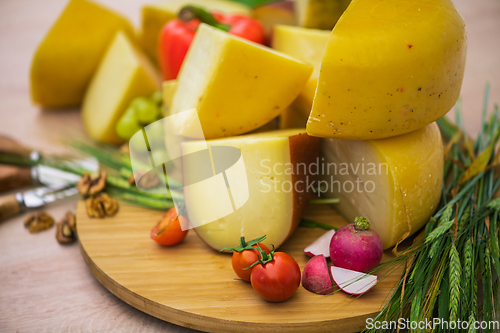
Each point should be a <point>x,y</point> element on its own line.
<point>12,177</point>
<point>10,146</point>
<point>9,206</point>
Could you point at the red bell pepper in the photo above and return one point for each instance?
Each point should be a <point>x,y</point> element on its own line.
<point>176,36</point>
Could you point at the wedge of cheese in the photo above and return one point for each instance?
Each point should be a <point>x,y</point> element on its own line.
<point>156,15</point>
<point>168,90</point>
<point>235,85</point>
<point>320,14</point>
<point>389,68</point>
<point>264,195</point>
<point>274,13</point>
<point>386,180</point>
<point>123,74</point>
<point>69,54</point>
<point>307,45</point>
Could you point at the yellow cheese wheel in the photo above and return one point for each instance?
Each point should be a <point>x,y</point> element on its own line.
<point>123,74</point>
<point>390,67</point>
<point>386,180</point>
<point>307,45</point>
<point>69,54</point>
<point>264,193</point>
<point>235,85</point>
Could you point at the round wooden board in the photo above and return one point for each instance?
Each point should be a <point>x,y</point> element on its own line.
<point>194,286</point>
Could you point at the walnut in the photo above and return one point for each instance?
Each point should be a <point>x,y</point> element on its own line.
<point>91,184</point>
<point>71,218</point>
<point>39,221</point>
<point>101,205</point>
<point>66,229</point>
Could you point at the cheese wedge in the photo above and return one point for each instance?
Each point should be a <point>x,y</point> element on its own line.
<point>385,179</point>
<point>168,90</point>
<point>69,54</point>
<point>276,195</point>
<point>123,74</point>
<point>307,45</point>
<point>235,85</point>
<point>156,15</point>
<point>274,13</point>
<point>320,14</point>
<point>389,68</point>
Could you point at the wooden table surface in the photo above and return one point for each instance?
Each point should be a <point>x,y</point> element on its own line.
<point>45,287</point>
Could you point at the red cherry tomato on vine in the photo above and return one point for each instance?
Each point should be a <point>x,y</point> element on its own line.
<point>246,255</point>
<point>243,259</point>
<point>168,230</point>
<point>278,279</point>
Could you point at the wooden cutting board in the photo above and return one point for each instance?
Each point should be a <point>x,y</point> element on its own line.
<point>194,286</point>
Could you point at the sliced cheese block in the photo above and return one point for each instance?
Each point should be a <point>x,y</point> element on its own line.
<point>69,54</point>
<point>390,67</point>
<point>123,74</point>
<point>272,14</point>
<point>168,90</point>
<point>156,15</point>
<point>235,85</point>
<point>276,196</point>
<point>385,179</point>
<point>307,45</point>
<point>320,14</point>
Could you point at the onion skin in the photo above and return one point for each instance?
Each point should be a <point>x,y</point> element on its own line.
<point>356,249</point>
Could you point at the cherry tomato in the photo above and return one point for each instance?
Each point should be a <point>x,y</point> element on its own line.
<point>168,230</point>
<point>278,279</point>
<point>245,258</point>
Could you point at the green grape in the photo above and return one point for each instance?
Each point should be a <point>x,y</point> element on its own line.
<point>128,124</point>
<point>145,110</point>
<point>157,98</point>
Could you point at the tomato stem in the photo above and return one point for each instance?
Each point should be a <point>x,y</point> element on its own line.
<point>264,258</point>
<point>245,245</point>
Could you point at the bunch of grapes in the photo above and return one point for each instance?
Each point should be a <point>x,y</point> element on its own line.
<point>141,112</point>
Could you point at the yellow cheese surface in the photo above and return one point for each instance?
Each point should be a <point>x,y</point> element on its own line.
<point>274,14</point>
<point>385,179</point>
<point>307,45</point>
<point>390,67</point>
<point>123,74</point>
<point>320,14</point>
<point>235,85</point>
<point>271,202</point>
<point>69,54</point>
<point>168,90</point>
<point>156,15</point>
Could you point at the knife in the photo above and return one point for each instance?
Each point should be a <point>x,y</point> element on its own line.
<point>11,205</point>
<point>12,177</point>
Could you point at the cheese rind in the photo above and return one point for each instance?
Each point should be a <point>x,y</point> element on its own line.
<point>307,45</point>
<point>385,179</point>
<point>276,197</point>
<point>389,68</point>
<point>123,74</point>
<point>156,15</point>
<point>235,85</point>
<point>68,56</point>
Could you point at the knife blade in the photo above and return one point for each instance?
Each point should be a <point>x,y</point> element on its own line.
<point>11,205</point>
